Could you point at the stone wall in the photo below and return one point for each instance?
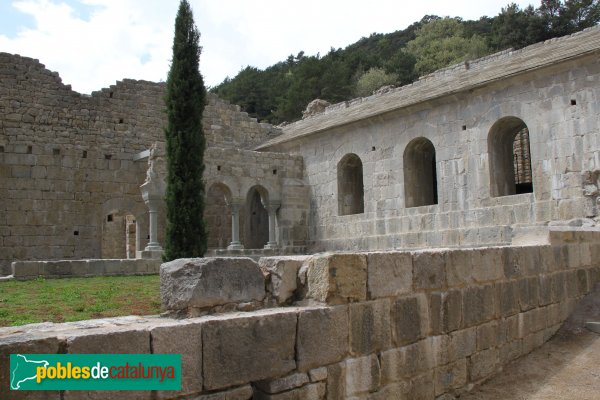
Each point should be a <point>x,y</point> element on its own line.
<point>27,270</point>
<point>461,111</point>
<point>382,325</point>
<point>70,168</point>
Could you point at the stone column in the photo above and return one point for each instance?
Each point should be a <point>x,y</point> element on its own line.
<point>272,211</point>
<point>235,227</point>
<point>152,193</point>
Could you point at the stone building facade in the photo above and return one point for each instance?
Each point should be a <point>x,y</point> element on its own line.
<point>431,164</point>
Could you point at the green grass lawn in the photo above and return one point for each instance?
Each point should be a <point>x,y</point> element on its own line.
<point>74,299</point>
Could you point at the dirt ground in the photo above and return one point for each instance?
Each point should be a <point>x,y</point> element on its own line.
<point>567,367</point>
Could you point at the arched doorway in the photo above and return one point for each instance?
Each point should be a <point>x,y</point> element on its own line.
<point>256,232</point>
<point>119,235</point>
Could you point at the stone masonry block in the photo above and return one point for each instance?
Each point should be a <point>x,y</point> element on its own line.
<point>206,282</point>
<point>24,344</point>
<point>462,344</point>
<point>429,270</point>
<point>337,278</point>
<point>242,348</point>
<point>459,267</point>
<point>370,328</point>
<point>489,335</point>
<point>185,338</point>
<point>322,336</point>
<point>450,376</point>
<point>315,391</point>
<point>107,340</point>
<point>283,276</point>
<point>483,364</point>
<point>239,393</point>
<point>478,304</point>
<point>529,293</point>
<point>488,264</point>
<point>407,361</point>
<point>363,375</point>
<point>278,385</point>
<point>507,298</point>
<point>389,274</point>
<point>445,310</point>
<point>409,319</point>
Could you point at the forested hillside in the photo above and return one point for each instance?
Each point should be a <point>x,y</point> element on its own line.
<point>281,92</point>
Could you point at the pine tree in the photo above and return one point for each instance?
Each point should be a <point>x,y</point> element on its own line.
<point>185,100</point>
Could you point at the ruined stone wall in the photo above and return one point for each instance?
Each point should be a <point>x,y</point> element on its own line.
<point>382,325</point>
<point>559,105</point>
<point>68,161</point>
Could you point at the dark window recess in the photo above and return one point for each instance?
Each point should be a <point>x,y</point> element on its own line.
<point>148,237</point>
<point>109,218</point>
<point>464,127</point>
<point>56,152</point>
<point>107,156</point>
<point>76,233</point>
<point>1,149</point>
<point>110,95</point>
<point>29,149</point>
<point>573,102</point>
<point>373,148</point>
<point>84,154</point>
<point>121,120</point>
<point>274,172</point>
<point>218,167</point>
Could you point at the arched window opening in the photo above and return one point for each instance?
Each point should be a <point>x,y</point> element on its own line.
<point>257,226</point>
<point>350,185</point>
<point>510,158</point>
<point>420,173</point>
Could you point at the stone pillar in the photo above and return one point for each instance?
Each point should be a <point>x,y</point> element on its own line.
<point>152,193</point>
<point>272,211</point>
<point>235,227</point>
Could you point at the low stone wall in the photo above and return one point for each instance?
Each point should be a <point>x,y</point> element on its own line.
<point>25,270</point>
<point>386,325</point>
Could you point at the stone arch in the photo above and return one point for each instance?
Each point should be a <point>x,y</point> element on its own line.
<point>509,157</point>
<point>420,173</point>
<point>351,195</point>
<point>256,226</point>
<point>217,215</point>
<point>121,228</point>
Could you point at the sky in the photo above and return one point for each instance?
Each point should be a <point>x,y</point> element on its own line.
<point>94,43</point>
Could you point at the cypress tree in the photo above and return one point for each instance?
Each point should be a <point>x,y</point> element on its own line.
<point>185,100</point>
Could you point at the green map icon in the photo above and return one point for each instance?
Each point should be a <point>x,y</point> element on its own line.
<point>23,369</point>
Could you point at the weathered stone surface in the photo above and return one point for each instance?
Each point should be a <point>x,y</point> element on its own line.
<point>185,338</point>
<point>445,310</point>
<point>208,282</point>
<point>240,393</point>
<point>362,375</point>
<point>407,361</point>
<point>370,328</point>
<point>479,304</point>
<point>429,270</point>
<point>24,344</point>
<point>271,386</point>
<point>337,278</point>
<point>483,364</point>
<point>108,341</point>
<point>409,319</point>
<point>450,376</point>
<point>322,336</point>
<point>315,391</point>
<point>389,274</point>
<point>462,344</point>
<point>282,275</point>
<point>242,348</point>
<point>318,374</point>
